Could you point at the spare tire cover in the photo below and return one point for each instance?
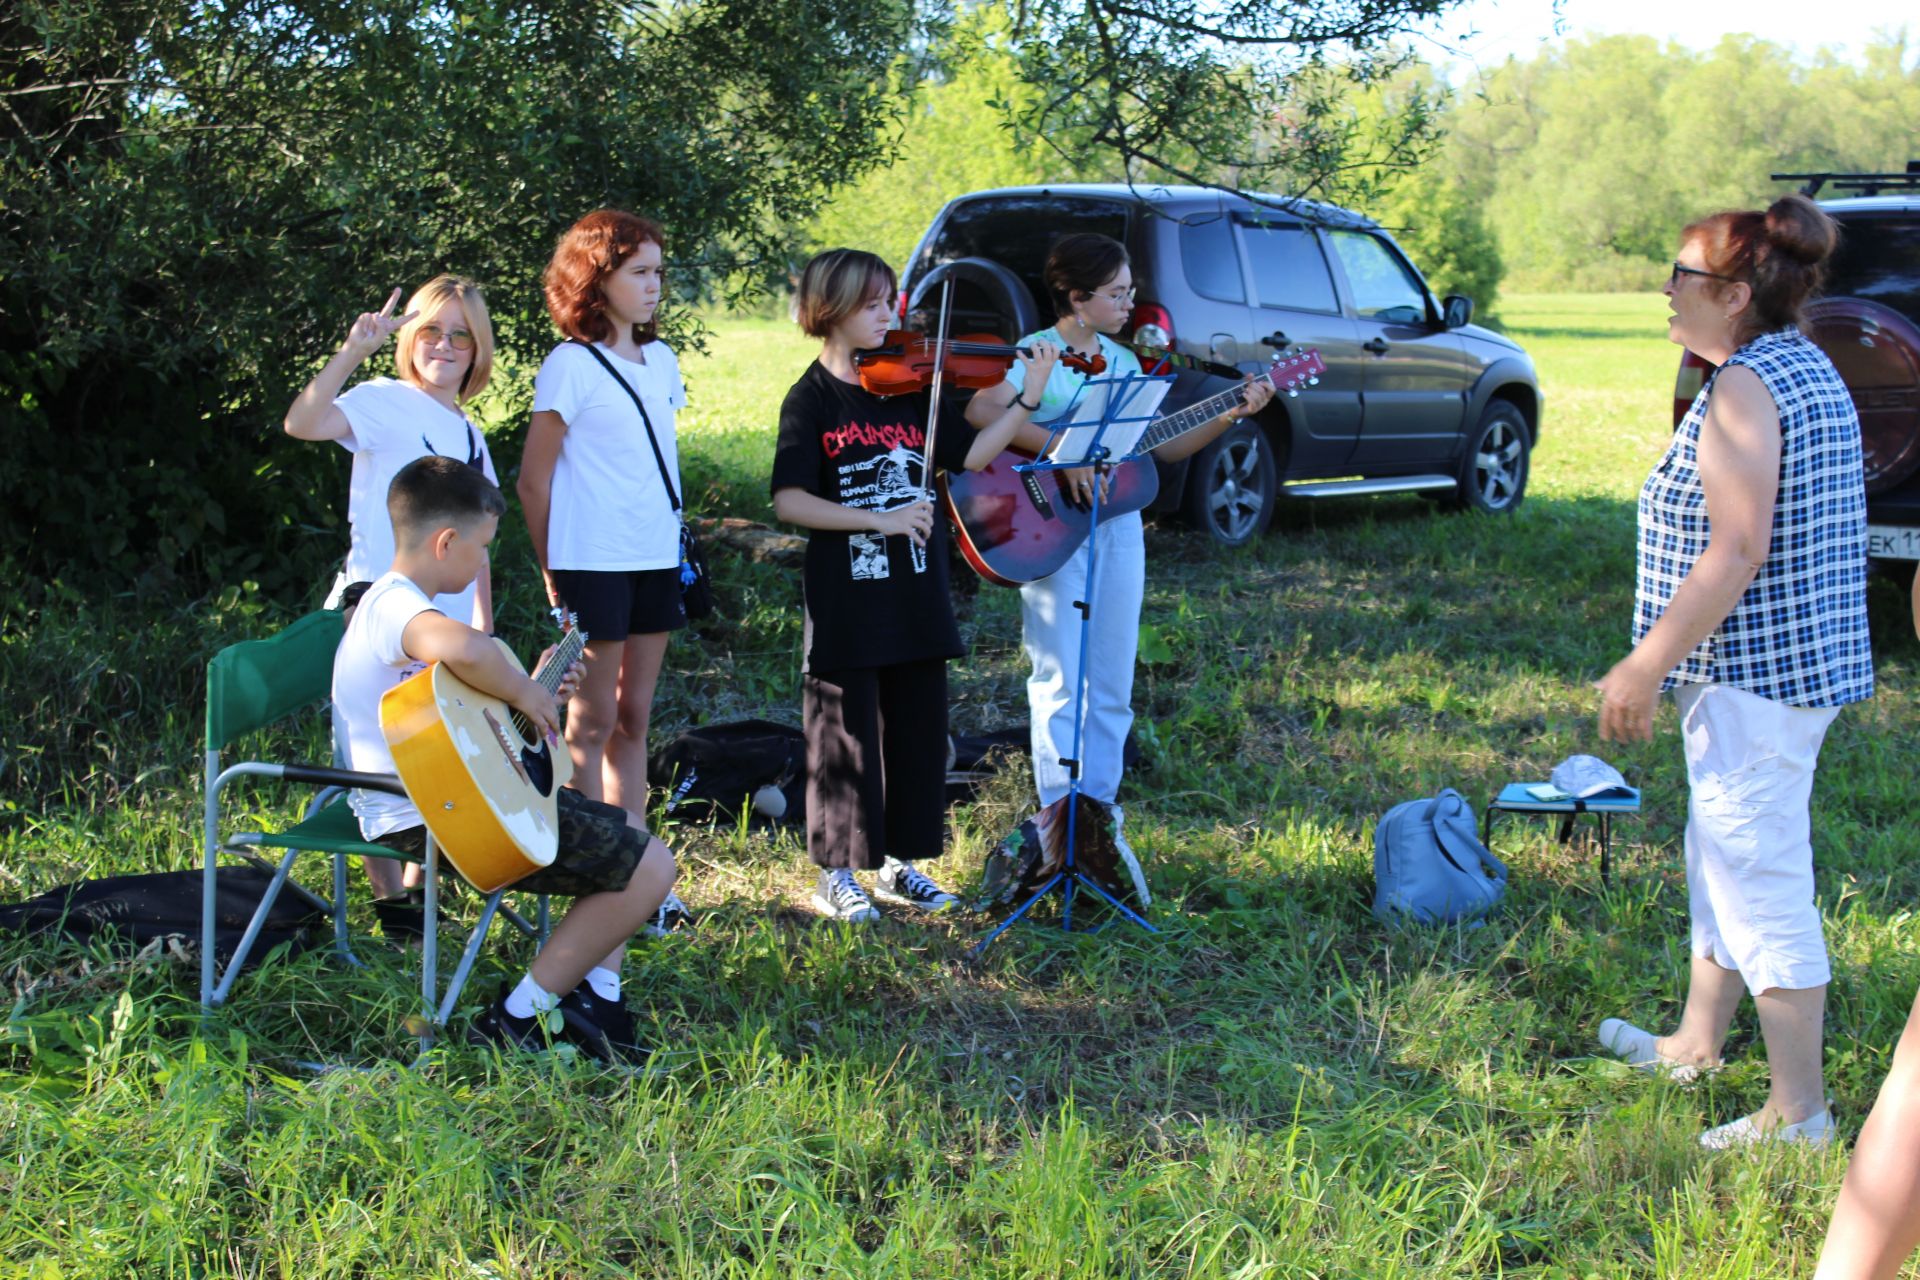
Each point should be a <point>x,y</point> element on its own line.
<point>987,296</point>
<point>1877,351</point>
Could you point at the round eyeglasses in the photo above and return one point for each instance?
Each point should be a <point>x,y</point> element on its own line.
<point>430,334</point>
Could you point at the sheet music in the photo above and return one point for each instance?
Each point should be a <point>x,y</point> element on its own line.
<point>1134,400</point>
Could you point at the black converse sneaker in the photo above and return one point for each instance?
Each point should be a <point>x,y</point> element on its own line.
<point>673,914</point>
<point>902,882</point>
<point>840,896</point>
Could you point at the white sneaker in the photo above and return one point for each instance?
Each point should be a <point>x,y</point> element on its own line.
<point>840,897</point>
<point>1127,858</point>
<point>673,914</point>
<point>1815,1130</point>
<point>904,883</point>
<point>1625,1041</point>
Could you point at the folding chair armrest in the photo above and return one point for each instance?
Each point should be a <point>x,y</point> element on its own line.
<point>321,776</point>
<point>312,774</point>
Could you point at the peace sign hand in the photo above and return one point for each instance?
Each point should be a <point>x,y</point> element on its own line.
<point>371,331</point>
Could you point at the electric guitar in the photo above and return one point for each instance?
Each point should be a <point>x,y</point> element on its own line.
<point>479,773</point>
<point>1016,527</point>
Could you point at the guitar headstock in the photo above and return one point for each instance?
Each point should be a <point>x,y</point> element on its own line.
<point>1295,369</point>
<point>568,621</point>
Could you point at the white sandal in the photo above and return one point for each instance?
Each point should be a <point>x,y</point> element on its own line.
<point>1639,1050</point>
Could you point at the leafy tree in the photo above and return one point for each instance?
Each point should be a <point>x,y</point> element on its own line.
<point>198,196</point>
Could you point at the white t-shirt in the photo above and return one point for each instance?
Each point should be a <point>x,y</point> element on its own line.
<point>372,658</point>
<point>608,509</point>
<point>390,423</point>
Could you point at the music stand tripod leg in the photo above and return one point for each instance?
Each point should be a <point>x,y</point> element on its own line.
<point>1070,877</point>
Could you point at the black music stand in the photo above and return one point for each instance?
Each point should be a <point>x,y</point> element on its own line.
<point>1121,392</point>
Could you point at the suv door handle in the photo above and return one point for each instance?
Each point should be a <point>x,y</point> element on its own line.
<point>1274,339</point>
<point>1376,345</point>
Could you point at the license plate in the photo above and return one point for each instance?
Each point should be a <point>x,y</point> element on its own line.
<point>1889,542</point>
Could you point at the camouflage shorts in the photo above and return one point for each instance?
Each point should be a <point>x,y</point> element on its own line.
<point>598,850</point>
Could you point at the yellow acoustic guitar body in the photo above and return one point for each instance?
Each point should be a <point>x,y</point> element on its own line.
<point>465,765</point>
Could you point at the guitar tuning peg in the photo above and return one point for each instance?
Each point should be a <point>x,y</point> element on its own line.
<point>1293,393</point>
<point>1313,382</point>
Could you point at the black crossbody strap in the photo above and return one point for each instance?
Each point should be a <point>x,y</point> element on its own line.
<point>659,458</point>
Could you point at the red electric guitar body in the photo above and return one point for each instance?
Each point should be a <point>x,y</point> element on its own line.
<point>1016,527</point>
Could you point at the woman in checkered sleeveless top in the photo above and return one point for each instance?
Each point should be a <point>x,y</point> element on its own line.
<point>1751,608</point>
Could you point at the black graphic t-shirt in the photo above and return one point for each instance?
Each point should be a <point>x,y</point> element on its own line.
<point>872,601</point>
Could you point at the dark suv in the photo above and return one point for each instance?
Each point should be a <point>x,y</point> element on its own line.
<point>1868,323</point>
<point>1415,398</point>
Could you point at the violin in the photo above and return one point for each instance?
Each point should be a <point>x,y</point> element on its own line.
<point>904,361</point>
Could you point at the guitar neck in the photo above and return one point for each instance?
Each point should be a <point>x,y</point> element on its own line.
<point>564,655</point>
<point>554,670</point>
<point>1196,415</point>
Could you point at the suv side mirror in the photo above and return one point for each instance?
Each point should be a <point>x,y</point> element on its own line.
<point>1457,310</point>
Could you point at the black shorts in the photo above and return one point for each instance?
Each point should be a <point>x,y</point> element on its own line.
<point>612,604</point>
<point>598,849</point>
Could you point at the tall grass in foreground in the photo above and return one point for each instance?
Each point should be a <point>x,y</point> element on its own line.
<point>1275,1086</point>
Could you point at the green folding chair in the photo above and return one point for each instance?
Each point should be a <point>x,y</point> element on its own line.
<point>256,683</point>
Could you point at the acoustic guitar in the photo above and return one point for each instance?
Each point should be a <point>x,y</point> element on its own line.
<point>1016,526</point>
<point>479,773</point>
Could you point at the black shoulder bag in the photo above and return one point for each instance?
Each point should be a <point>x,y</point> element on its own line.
<point>696,586</point>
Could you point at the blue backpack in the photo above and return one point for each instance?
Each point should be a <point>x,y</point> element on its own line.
<point>1429,866</point>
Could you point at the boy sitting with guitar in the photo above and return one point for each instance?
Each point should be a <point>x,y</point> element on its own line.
<point>444,515</point>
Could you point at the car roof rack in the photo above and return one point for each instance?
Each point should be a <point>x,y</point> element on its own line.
<point>1864,184</point>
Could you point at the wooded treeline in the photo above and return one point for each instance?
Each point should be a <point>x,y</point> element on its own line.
<point>1570,170</point>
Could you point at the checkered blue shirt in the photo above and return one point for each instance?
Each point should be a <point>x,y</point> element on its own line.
<point>1799,634</point>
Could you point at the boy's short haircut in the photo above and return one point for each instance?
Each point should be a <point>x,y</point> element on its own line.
<point>436,492</point>
<point>838,283</point>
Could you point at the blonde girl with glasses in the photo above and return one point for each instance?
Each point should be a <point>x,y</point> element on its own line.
<point>444,357</point>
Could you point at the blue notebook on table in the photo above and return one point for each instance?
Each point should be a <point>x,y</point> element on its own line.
<point>1544,797</point>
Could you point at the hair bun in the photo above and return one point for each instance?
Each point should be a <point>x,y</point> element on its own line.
<point>1799,228</point>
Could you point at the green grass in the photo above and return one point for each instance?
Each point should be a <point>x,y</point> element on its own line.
<point>1274,1086</point>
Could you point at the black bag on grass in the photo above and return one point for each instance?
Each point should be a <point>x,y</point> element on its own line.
<point>138,909</point>
<point>729,769</point>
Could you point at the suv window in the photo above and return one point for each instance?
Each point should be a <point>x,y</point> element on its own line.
<point>1383,288</point>
<point>1288,268</point>
<point>1017,231</point>
<point>1211,260</point>
<point>1879,260</point>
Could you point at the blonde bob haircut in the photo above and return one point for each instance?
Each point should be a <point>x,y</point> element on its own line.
<point>838,283</point>
<point>428,298</point>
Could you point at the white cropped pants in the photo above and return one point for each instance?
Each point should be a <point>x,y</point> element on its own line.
<point>1749,850</point>
<point>1051,631</point>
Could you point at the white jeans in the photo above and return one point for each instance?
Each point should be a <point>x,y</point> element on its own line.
<point>1051,630</point>
<point>1750,767</point>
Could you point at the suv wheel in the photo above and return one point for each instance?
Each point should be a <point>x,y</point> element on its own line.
<point>1494,475</point>
<point>1231,486</point>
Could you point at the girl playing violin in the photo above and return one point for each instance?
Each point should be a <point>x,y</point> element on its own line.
<point>1091,282</point>
<point>594,477</point>
<point>879,625</point>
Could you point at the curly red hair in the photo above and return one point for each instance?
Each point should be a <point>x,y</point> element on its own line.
<point>585,255</point>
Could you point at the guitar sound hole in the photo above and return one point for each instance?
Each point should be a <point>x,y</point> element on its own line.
<point>539,769</point>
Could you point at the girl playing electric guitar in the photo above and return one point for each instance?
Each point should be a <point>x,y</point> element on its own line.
<point>1091,283</point>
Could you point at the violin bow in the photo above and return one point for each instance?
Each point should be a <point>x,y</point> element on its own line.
<point>939,373</point>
